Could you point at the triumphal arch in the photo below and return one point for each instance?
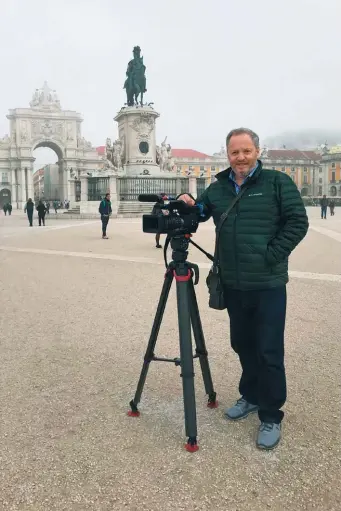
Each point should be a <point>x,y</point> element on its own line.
<point>44,124</point>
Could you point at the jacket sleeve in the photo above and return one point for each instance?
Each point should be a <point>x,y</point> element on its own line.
<point>100,209</point>
<point>294,221</point>
<point>110,209</point>
<point>205,205</point>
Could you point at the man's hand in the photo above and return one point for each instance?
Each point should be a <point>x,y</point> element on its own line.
<point>187,199</point>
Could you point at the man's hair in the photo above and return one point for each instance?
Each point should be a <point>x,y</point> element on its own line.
<point>107,194</point>
<point>243,131</point>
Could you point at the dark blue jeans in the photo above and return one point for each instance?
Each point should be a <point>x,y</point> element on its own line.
<point>257,323</point>
<point>105,221</point>
<point>323,211</point>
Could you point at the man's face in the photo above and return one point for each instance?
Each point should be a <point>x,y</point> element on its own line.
<point>107,197</point>
<point>242,154</point>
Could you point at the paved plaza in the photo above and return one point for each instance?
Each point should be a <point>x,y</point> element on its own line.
<point>76,314</point>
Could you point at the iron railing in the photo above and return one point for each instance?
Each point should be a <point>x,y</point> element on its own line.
<point>131,187</point>
<point>200,185</point>
<point>97,188</point>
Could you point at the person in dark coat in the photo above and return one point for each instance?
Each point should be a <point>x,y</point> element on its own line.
<point>105,212</point>
<point>41,208</point>
<point>324,206</point>
<point>29,208</point>
<point>332,207</point>
<point>9,208</point>
<point>259,234</point>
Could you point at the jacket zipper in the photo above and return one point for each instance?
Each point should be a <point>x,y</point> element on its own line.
<point>235,244</point>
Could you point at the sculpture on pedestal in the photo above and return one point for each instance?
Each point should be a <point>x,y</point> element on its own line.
<point>135,84</point>
<point>115,154</point>
<point>164,157</point>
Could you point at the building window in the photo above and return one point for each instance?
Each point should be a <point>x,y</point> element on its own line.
<point>190,168</point>
<point>305,169</point>
<point>273,168</point>
<point>212,169</point>
<point>202,168</point>
<point>293,169</point>
<point>179,168</point>
<point>4,177</point>
<point>283,169</point>
<point>305,180</point>
<point>333,165</point>
<point>320,169</point>
<point>320,180</point>
<point>333,176</point>
<point>320,190</point>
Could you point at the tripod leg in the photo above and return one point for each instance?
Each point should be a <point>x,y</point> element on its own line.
<point>186,354</point>
<point>151,343</point>
<point>201,347</point>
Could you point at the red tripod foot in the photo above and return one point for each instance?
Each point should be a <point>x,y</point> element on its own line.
<point>134,410</point>
<point>212,400</point>
<point>212,404</point>
<point>192,445</point>
<point>133,414</point>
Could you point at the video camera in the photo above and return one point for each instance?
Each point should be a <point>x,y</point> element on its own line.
<point>179,219</point>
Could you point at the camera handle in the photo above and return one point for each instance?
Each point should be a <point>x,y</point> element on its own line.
<point>188,319</point>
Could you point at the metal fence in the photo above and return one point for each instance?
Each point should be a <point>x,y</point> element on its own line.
<point>200,185</point>
<point>130,188</point>
<point>97,188</point>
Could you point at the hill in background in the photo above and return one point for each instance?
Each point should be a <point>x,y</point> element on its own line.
<point>304,139</point>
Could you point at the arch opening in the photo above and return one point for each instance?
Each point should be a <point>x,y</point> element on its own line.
<point>48,176</point>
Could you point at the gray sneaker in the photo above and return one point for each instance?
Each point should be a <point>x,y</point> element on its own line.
<point>269,435</point>
<point>240,410</point>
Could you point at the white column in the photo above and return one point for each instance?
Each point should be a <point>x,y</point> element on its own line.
<point>84,188</point>
<point>30,191</point>
<point>22,193</point>
<point>113,194</point>
<point>192,186</point>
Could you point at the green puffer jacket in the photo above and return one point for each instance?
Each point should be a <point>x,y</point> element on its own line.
<point>261,231</point>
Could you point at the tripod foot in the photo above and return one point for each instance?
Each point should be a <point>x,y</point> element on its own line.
<point>134,410</point>
<point>192,445</point>
<point>212,401</point>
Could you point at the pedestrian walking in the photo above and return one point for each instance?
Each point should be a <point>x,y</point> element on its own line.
<point>332,207</point>
<point>324,206</point>
<point>105,212</point>
<point>41,208</point>
<point>29,208</point>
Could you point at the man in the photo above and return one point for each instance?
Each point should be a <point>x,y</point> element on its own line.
<point>324,206</point>
<point>332,207</point>
<point>105,212</point>
<point>259,234</point>
<point>41,208</point>
<point>29,208</point>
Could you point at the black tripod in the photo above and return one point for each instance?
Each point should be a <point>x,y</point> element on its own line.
<point>188,315</point>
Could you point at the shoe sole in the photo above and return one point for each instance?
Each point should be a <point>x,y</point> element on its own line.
<point>241,417</point>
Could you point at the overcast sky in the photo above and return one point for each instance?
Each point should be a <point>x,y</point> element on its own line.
<point>211,65</point>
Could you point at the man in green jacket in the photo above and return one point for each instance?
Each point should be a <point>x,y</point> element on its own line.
<point>261,231</point>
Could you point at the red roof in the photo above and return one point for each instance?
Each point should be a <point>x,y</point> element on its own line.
<point>292,154</point>
<point>100,150</point>
<point>189,153</point>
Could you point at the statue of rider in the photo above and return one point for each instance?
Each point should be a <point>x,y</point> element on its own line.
<point>135,83</point>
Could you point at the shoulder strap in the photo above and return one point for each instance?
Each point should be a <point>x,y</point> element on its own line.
<point>222,220</point>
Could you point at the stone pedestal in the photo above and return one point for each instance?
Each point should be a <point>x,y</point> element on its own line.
<point>84,188</point>
<point>192,186</point>
<point>136,130</point>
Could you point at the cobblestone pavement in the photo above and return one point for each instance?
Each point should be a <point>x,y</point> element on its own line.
<point>76,313</point>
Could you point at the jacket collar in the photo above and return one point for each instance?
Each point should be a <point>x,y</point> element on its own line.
<point>225,174</point>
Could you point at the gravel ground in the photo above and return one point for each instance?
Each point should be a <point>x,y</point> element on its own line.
<point>74,331</point>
